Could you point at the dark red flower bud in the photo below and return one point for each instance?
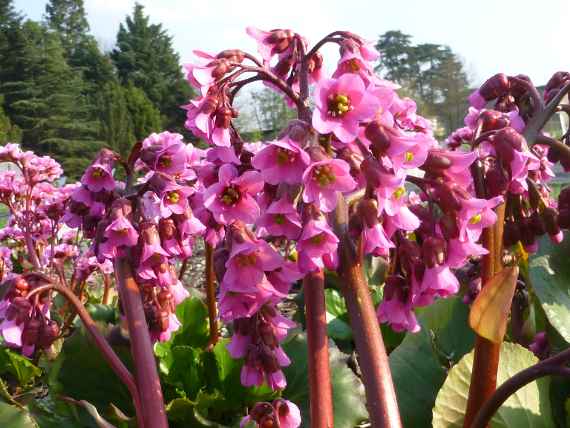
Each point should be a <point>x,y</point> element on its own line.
<point>31,332</point>
<point>449,227</point>
<point>167,229</point>
<point>436,162</point>
<point>18,310</point>
<point>260,410</point>
<point>511,234</point>
<point>564,218</point>
<point>550,219</point>
<point>447,199</point>
<point>49,332</point>
<point>495,87</point>
<point>267,336</point>
<point>433,251</point>
<point>537,224</point>
<point>379,137</point>
<point>233,55</point>
<point>367,210</point>
<point>497,181</point>
<point>492,120</point>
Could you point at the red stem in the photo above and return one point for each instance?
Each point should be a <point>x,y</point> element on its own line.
<point>320,389</point>
<point>486,354</point>
<point>211,296</point>
<point>376,376</point>
<point>146,374</point>
<point>106,289</point>
<point>108,354</point>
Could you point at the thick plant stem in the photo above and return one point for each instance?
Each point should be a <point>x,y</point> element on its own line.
<point>380,393</point>
<point>486,355</point>
<point>146,373</point>
<point>211,296</point>
<point>320,389</point>
<point>108,354</point>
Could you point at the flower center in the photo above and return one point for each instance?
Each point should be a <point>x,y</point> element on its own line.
<point>475,219</point>
<point>409,156</point>
<point>338,105</point>
<point>399,192</point>
<point>123,232</point>
<point>97,173</point>
<point>165,162</point>
<point>352,65</point>
<point>230,196</point>
<point>285,156</point>
<point>318,239</point>
<point>245,260</point>
<point>173,197</point>
<point>324,175</point>
<point>279,218</point>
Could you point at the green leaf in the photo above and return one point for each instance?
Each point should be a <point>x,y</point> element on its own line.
<point>193,315</point>
<point>419,364</point>
<point>549,273</point>
<point>102,313</point>
<point>185,372</point>
<point>85,375</point>
<point>337,324</point>
<point>18,366</point>
<point>348,392</point>
<point>13,417</point>
<point>528,407</point>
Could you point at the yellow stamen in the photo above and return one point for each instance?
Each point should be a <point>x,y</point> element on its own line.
<point>399,192</point>
<point>338,105</point>
<point>324,175</point>
<point>475,219</point>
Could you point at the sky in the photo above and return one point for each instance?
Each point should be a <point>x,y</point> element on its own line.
<point>490,36</point>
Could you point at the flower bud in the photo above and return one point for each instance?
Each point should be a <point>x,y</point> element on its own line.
<point>449,227</point>
<point>511,234</point>
<point>367,210</point>
<point>492,120</point>
<point>233,55</point>
<point>495,87</point>
<point>550,219</point>
<point>379,137</point>
<point>433,251</point>
<point>49,332</point>
<point>31,332</point>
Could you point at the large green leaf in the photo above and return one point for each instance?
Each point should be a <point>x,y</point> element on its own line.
<point>419,364</point>
<point>348,392</point>
<point>193,315</point>
<point>528,407</point>
<point>550,278</point>
<point>85,375</point>
<point>14,417</point>
<point>18,366</point>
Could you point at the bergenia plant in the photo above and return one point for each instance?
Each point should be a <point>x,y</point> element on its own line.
<point>357,175</point>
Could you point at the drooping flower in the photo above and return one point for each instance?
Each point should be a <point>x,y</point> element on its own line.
<point>281,161</point>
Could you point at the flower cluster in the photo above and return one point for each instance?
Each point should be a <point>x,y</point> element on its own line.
<point>280,413</point>
<point>152,224</point>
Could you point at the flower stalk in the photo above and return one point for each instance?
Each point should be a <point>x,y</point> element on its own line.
<point>211,296</point>
<point>322,415</point>
<point>146,374</point>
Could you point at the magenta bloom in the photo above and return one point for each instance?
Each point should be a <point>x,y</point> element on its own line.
<point>247,264</point>
<point>438,281</point>
<point>341,104</point>
<point>375,241</point>
<point>164,152</point>
<point>232,198</point>
<point>397,307</point>
<point>98,177</point>
<point>281,219</point>
<point>475,215</point>
<point>281,161</point>
<point>174,200</point>
<point>316,242</point>
<point>120,233</point>
<point>324,179</point>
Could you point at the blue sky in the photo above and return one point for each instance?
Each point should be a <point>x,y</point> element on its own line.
<point>524,36</point>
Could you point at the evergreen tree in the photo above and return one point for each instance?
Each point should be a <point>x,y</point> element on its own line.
<point>430,73</point>
<point>144,116</point>
<point>45,97</point>
<point>127,116</point>
<point>145,57</point>
<point>9,133</point>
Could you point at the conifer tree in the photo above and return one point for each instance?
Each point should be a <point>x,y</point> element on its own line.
<point>145,57</point>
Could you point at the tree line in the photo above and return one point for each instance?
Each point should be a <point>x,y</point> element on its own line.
<point>61,95</point>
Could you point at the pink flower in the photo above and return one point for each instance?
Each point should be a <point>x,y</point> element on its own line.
<point>341,104</point>
<point>316,243</point>
<point>476,215</point>
<point>281,219</point>
<point>438,281</point>
<point>281,161</point>
<point>396,307</point>
<point>164,152</point>
<point>271,42</point>
<point>375,241</point>
<point>288,413</point>
<point>247,264</point>
<point>120,233</point>
<point>324,179</point>
<point>98,177</point>
<point>232,198</point>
